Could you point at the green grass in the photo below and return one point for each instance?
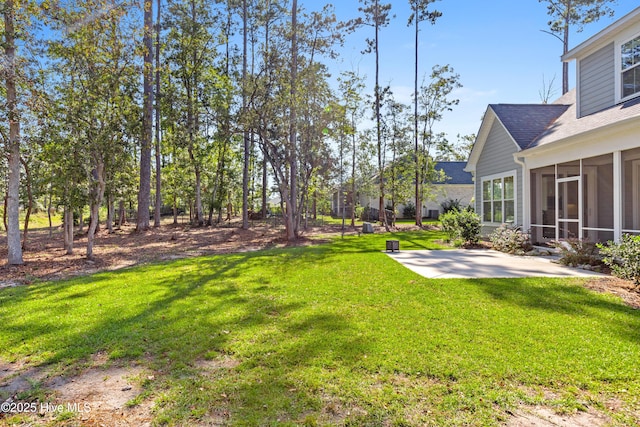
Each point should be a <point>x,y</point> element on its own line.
<point>338,334</point>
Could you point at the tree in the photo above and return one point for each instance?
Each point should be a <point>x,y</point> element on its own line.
<point>144,194</point>
<point>158,201</point>
<point>13,142</point>
<point>567,13</point>
<point>352,87</point>
<point>376,15</point>
<point>420,13</point>
<point>190,52</point>
<point>434,99</point>
<point>97,87</point>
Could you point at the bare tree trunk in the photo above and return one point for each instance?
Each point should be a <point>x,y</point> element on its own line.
<point>122,215</point>
<point>292,211</point>
<point>29,204</point>
<point>14,248</point>
<point>175,211</point>
<point>565,65</point>
<point>68,230</point>
<point>96,194</point>
<point>49,213</point>
<point>110,213</point>
<point>247,151</point>
<point>144,193</point>
<point>156,216</point>
<point>4,212</point>
<point>416,156</point>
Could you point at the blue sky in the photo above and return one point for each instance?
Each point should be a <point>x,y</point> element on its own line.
<point>496,46</point>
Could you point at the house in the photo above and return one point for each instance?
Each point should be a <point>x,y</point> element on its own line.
<point>570,169</point>
<point>457,185</point>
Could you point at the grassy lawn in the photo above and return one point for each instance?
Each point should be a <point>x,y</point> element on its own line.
<point>338,334</point>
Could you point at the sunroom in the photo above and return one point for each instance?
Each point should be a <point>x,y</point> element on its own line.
<point>593,198</point>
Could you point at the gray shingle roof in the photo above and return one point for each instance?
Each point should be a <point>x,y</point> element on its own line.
<point>455,172</point>
<point>526,122</point>
<point>569,125</point>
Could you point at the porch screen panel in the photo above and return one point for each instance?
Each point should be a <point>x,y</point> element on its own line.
<point>597,198</point>
<point>569,169</point>
<point>631,191</point>
<point>543,204</point>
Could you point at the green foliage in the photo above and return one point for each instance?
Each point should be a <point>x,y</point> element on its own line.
<point>409,210</point>
<point>623,258</point>
<point>463,225</point>
<point>450,205</point>
<point>510,239</point>
<point>576,252</point>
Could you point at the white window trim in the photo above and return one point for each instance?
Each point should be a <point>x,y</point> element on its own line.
<point>618,67</point>
<point>512,173</point>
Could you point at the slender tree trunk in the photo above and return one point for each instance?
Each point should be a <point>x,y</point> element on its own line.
<point>156,216</point>
<point>382,214</point>
<point>96,194</point>
<point>292,211</point>
<point>14,248</point>
<point>4,212</point>
<point>68,229</point>
<point>565,65</point>
<point>245,134</point>
<point>416,156</point>
<point>110,213</point>
<point>144,193</point>
<point>29,204</point>
<point>122,214</point>
<point>49,212</point>
<point>264,188</point>
<point>175,211</point>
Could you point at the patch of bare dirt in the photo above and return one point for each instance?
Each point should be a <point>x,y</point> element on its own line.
<point>625,289</point>
<point>45,258</point>
<point>97,396</point>
<point>540,416</point>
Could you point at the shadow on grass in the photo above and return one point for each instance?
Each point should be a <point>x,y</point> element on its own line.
<point>170,316</point>
<point>571,300</point>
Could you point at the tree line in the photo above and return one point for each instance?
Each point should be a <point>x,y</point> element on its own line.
<point>217,103</point>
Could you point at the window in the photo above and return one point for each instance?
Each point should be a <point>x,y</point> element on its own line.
<point>630,66</point>
<point>498,199</point>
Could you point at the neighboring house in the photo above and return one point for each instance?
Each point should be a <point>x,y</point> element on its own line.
<point>458,185</point>
<point>572,168</point>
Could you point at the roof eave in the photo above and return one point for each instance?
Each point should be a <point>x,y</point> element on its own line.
<point>603,37</point>
<point>540,149</point>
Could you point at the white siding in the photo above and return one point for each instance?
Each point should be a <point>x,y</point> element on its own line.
<point>597,81</point>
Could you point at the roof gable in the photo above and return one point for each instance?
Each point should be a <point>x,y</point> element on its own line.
<point>525,122</point>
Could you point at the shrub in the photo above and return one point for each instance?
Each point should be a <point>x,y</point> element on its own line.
<point>623,258</point>
<point>451,205</point>
<point>510,239</point>
<point>463,225</point>
<point>409,211</point>
<point>575,252</point>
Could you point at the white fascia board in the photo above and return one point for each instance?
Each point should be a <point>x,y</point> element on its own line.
<point>615,137</point>
<point>481,139</point>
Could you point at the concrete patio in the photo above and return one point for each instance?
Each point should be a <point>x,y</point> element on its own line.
<point>482,263</point>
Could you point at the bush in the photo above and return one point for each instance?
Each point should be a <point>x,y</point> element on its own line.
<point>575,252</point>
<point>623,258</point>
<point>511,240</point>
<point>409,211</point>
<point>463,225</point>
<point>451,205</point>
